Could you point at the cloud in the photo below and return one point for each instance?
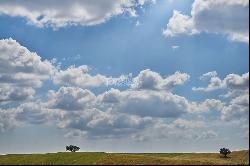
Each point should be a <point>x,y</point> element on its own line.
<point>10,93</point>
<point>189,129</point>
<point>60,13</point>
<point>234,81</point>
<point>71,98</point>
<point>80,77</point>
<point>179,129</point>
<point>215,83</point>
<point>76,134</point>
<point>206,106</point>
<point>111,114</point>
<point>207,134</point>
<point>213,16</point>
<point>7,120</point>
<point>79,111</point>
<point>148,79</point>
<point>32,113</point>
<point>230,82</point>
<point>142,103</point>
<point>93,123</point>
<point>238,109</point>
<point>21,71</point>
<point>237,90</point>
<point>179,24</point>
<point>146,110</point>
<point>208,75</point>
<point>186,124</point>
<point>114,114</point>
<point>117,124</point>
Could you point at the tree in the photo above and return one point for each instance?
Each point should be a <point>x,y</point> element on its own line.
<point>72,148</point>
<point>225,152</point>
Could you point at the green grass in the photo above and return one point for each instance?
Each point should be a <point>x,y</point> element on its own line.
<point>91,158</point>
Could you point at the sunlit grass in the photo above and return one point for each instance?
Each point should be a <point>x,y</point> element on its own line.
<point>78,158</point>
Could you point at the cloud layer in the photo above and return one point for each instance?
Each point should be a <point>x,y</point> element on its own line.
<point>146,109</point>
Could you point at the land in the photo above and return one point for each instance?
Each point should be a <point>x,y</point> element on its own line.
<point>101,158</point>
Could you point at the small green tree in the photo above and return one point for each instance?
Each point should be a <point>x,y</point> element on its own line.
<point>72,148</point>
<point>225,152</point>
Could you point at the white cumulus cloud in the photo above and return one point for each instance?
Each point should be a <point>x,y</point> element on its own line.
<point>231,82</point>
<point>227,17</point>
<point>80,77</point>
<point>60,13</point>
<point>143,103</point>
<point>148,79</point>
<point>21,71</point>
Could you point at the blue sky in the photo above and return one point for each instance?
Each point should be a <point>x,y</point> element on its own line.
<point>121,44</point>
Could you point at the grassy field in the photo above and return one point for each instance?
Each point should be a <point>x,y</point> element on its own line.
<point>78,158</point>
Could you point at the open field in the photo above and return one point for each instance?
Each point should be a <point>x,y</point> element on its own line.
<point>78,158</point>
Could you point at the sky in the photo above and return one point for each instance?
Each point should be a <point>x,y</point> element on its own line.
<point>124,75</point>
